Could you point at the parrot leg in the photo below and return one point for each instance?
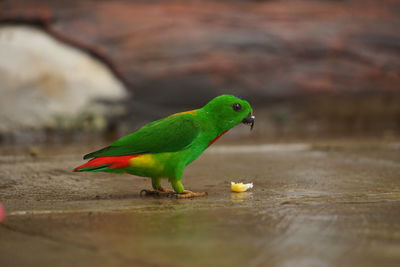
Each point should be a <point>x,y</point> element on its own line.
<point>182,193</point>
<point>158,189</point>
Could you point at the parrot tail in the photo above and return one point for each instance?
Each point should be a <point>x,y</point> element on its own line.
<point>105,163</point>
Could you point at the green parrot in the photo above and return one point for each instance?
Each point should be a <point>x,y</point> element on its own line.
<point>163,148</point>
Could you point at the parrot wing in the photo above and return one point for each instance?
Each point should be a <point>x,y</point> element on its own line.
<point>170,134</point>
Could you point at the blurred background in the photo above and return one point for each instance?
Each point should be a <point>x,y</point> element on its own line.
<point>84,71</point>
<point>323,77</point>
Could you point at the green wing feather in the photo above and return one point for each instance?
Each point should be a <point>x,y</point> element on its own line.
<point>170,134</point>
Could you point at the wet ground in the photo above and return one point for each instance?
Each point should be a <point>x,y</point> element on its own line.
<point>327,204</point>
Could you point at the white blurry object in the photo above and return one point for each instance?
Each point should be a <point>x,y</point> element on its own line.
<point>240,187</point>
<point>43,79</point>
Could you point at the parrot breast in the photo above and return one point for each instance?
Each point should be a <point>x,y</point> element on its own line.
<point>216,138</point>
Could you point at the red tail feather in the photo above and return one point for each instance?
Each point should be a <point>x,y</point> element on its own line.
<point>116,162</point>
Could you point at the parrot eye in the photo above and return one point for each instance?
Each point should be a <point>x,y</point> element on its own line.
<point>237,107</point>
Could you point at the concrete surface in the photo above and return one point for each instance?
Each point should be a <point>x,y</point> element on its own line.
<point>326,204</point>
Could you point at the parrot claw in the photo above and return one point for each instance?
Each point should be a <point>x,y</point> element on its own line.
<point>169,193</point>
<point>158,193</point>
<point>190,194</point>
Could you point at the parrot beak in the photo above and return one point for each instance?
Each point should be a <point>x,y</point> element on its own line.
<point>249,120</point>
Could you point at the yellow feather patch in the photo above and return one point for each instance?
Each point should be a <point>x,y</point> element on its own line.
<point>144,161</point>
<point>191,112</point>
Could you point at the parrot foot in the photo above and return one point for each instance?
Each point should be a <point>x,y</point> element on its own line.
<point>160,192</point>
<point>190,194</point>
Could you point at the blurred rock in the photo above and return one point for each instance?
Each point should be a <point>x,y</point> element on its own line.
<point>173,50</point>
<point>179,54</point>
<point>48,84</point>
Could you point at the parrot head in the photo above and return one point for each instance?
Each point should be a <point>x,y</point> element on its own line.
<point>228,111</point>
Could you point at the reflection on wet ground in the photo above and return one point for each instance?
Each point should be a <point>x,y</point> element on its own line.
<point>310,206</point>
